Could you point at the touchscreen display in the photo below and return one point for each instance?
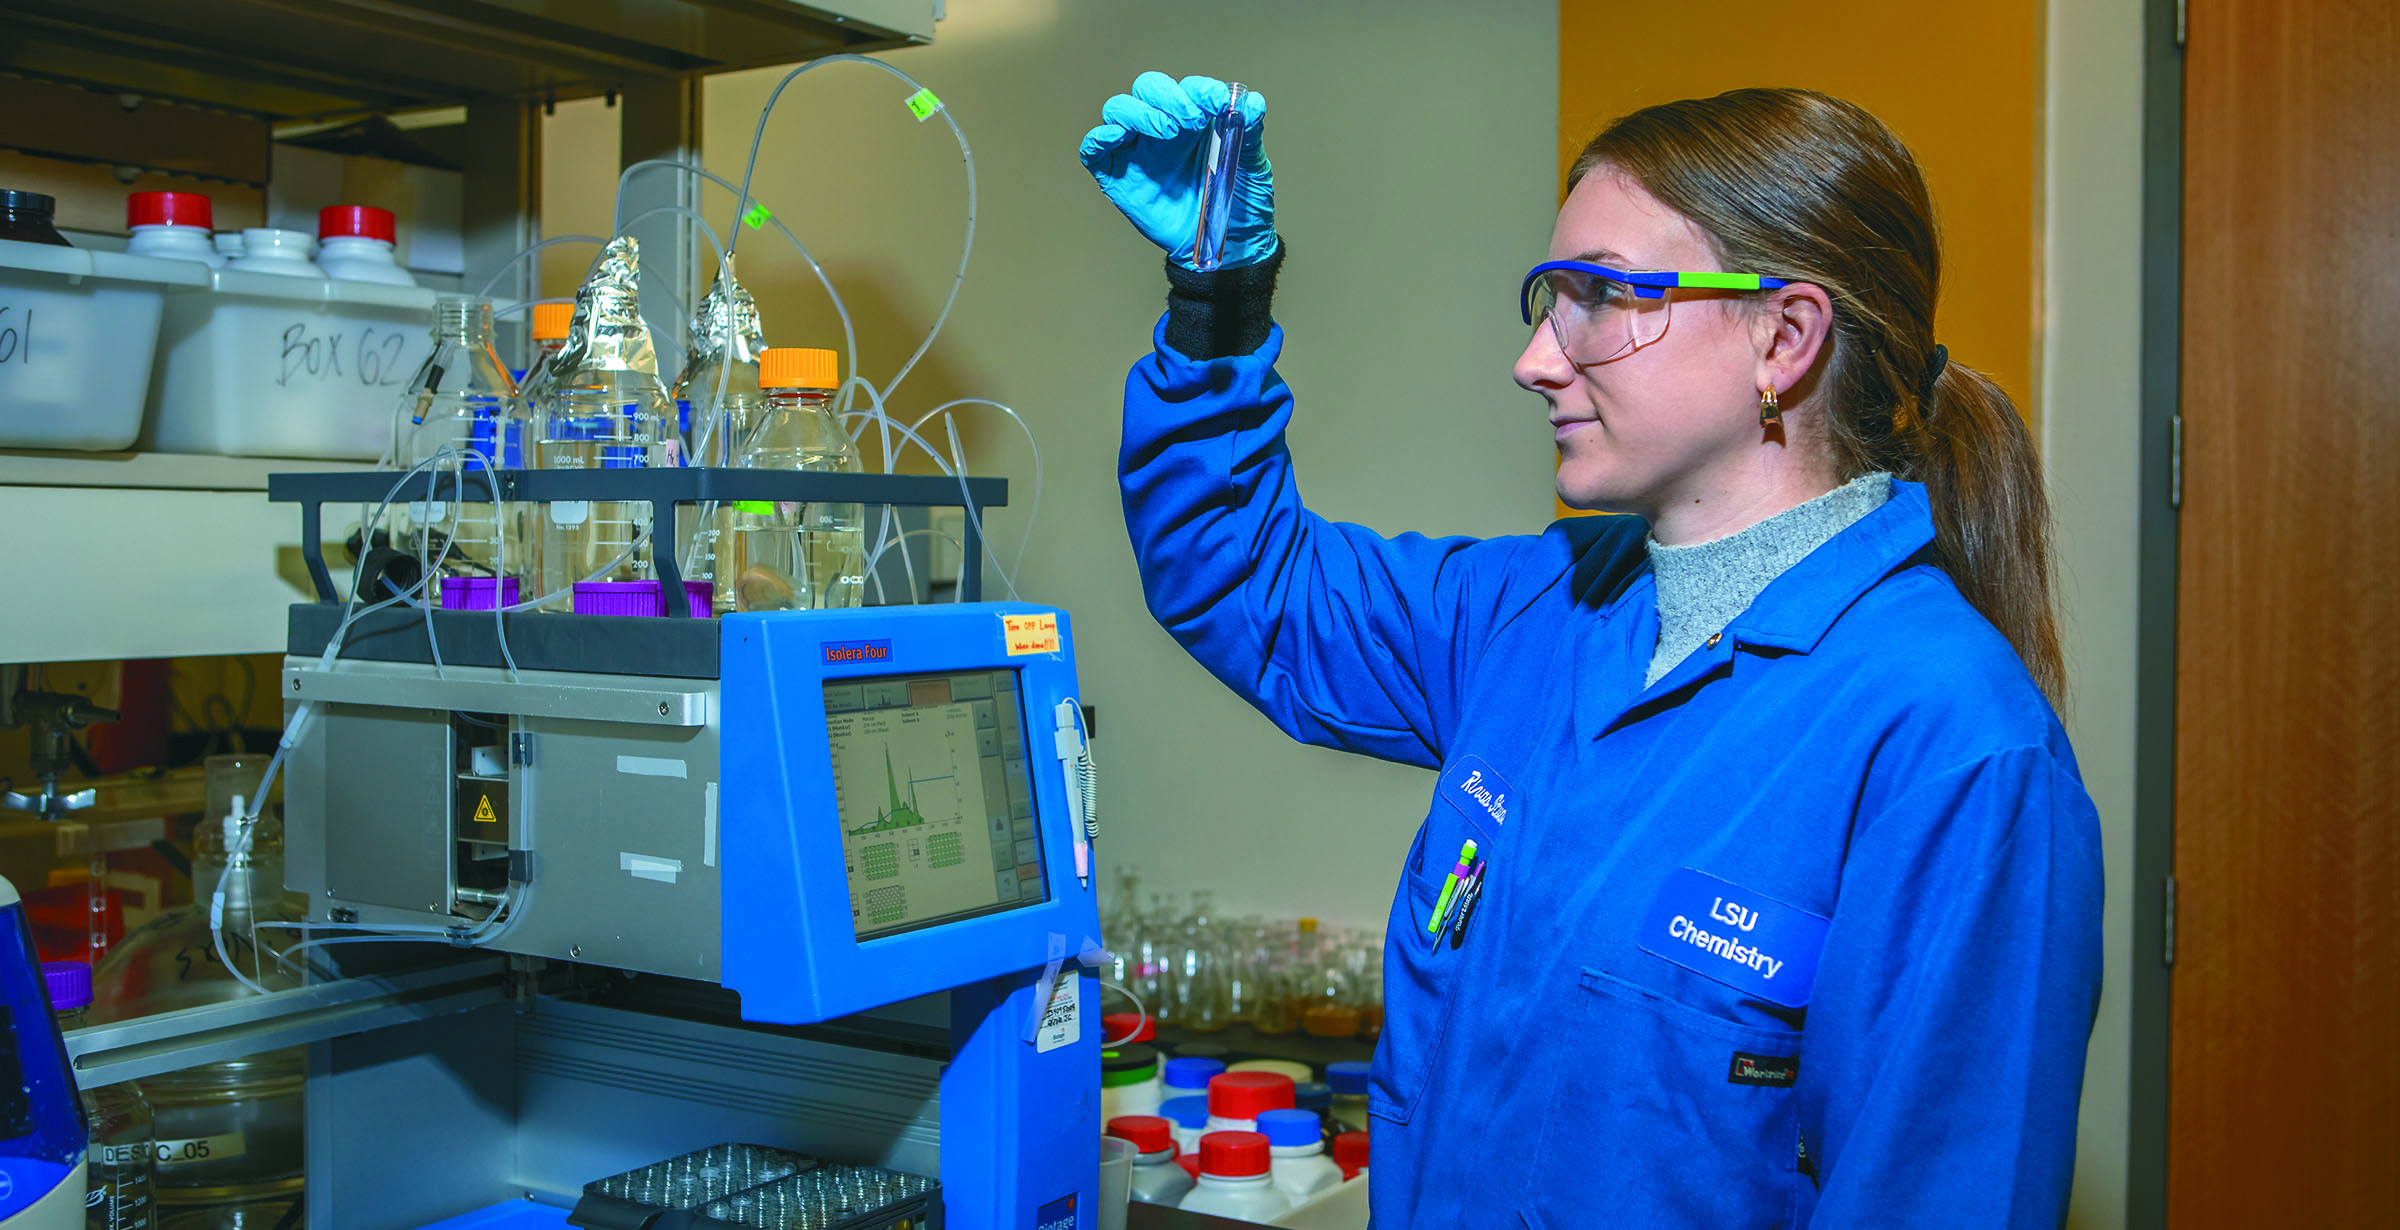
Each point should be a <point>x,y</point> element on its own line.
<point>934,797</point>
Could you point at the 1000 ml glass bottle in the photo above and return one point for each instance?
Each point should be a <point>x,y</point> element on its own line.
<point>783,555</point>
<point>463,401</point>
<point>612,423</point>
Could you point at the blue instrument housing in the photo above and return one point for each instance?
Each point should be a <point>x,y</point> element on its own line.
<point>1020,1125</point>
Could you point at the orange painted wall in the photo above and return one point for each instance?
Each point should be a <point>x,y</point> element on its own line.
<point>1961,83</point>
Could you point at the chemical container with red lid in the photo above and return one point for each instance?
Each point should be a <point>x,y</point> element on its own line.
<point>1234,1178</point>
<point>356,244</point>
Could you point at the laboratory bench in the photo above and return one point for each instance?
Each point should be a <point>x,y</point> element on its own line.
<point>1242,1042</point>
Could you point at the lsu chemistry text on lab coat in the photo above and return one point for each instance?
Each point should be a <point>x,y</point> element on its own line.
<point>1859,745</point>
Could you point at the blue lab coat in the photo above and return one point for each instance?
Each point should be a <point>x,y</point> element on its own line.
<point>1860,745</point>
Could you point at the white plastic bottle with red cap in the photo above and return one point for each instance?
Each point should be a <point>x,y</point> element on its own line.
<point>1350,1153</point>
<point>173,225</point>
<point>1236,1098</point>
<point>354,244</point>
<point>1234,1180</point>
<point>1156,1177</point>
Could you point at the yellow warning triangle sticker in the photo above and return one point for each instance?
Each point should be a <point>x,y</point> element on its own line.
<point>483,811</point>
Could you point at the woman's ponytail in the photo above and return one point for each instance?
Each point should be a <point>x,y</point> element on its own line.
<point>1991,515</point>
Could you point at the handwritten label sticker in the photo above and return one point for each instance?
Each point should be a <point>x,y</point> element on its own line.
<point>923,104</point>
<point>756,216</point>
<point>1060,1025</point>
<point>1028,634</point>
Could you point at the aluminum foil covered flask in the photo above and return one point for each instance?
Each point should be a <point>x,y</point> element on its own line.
<point>718,391</point>
<point>603,408</point>
<point>719,402</point>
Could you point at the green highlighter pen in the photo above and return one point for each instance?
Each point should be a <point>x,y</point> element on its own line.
<point>1441,905</point>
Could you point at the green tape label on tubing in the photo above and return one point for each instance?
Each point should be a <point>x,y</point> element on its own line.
<point>923,104</point>
<point>756,216</point>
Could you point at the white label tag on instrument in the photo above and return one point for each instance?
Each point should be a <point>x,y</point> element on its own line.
<point>201,1149</point>
<point>1059,1023</point>
<point>570,512</point>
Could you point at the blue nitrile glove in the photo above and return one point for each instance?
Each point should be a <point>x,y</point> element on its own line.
<point>1148,153</point>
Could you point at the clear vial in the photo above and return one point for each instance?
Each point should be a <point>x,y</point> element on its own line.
<point>784,555</point>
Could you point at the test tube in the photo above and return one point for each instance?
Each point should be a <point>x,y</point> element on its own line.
<point>1217,180</point>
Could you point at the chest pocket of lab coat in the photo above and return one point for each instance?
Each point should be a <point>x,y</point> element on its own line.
<point>1645,1129</point>
<point>1420,975</point>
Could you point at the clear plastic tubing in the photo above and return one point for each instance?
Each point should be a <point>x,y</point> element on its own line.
<point>1217,177</point>
<point>840,310</point>
<point>741,204</point>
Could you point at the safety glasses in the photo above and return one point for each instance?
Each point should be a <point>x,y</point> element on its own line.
<point>1596,313</point>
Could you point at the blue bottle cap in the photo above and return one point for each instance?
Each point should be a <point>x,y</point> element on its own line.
<point>1188,1072</point>
<point>1347,1077</point>
<point>1313,1095</point>
<point>1285,1128</point>
<point>1189,1112</point>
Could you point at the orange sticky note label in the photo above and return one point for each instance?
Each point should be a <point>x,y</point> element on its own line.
<point>1030,634</point>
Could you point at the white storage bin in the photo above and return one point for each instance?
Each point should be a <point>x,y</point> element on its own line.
<point>263,366</point>
<point>77,332</point>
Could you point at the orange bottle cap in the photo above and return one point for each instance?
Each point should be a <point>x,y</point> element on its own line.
<point>550,321</point>
<point>798,367</point>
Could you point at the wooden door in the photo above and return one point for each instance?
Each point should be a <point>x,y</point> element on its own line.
<point>2285,1086</point>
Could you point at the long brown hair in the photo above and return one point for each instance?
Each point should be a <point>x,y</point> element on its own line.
<point>1803,186</point>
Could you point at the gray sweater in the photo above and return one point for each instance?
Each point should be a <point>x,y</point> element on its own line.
<point>1703,586</point>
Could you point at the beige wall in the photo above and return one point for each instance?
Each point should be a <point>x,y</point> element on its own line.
<point>1413,146</point>
<point>2090,402</point>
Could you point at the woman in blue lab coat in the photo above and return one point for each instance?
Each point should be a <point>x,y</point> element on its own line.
<point>1783,900</point>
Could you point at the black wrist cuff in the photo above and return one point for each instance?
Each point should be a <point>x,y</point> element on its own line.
<point>1222,313</point>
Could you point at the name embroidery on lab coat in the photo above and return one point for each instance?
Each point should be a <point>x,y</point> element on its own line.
<point>1750,942</point>
<point>1479,794</point>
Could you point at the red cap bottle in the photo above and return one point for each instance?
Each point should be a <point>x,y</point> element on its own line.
<point>1241,1095</point>
<point>361,221</point>
<point>1119,1027</point>
<point>168,209</point>
<point>1149,1133</point>
<point>1350,1153</point>
<point>1233,1155</point>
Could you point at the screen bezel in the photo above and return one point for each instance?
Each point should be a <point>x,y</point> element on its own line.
<point>788,947</point>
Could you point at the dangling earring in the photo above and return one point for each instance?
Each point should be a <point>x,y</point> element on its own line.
<point>1769,413</point>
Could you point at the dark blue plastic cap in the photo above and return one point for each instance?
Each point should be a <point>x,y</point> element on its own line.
<point>1312,1095</point>
<point>1187,1112</point>
<point>1187,1072</point>
<point>1347,1077</point>
<point>1285,1128</point>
